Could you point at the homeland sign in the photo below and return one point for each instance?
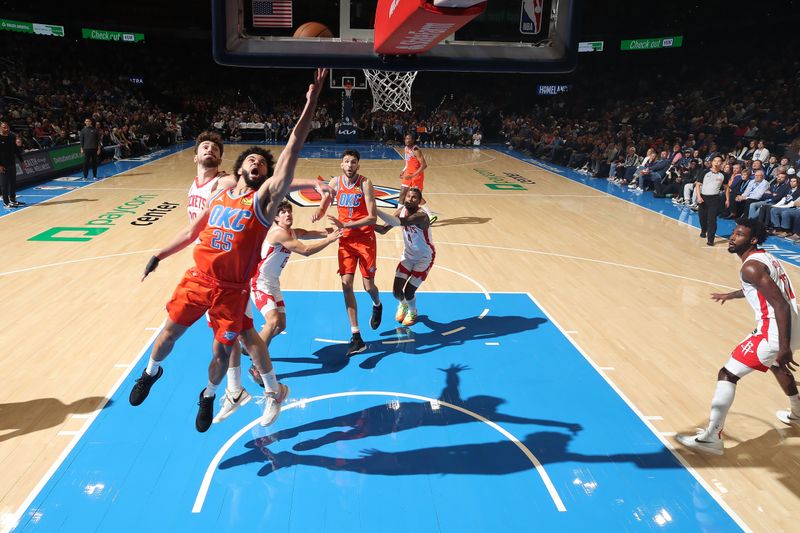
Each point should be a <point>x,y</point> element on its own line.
<point>32,27</point>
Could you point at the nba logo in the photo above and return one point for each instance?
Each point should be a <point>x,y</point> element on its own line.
<point>530,17</point>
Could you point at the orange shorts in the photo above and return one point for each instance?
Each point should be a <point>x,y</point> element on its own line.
<point>418,181</point>
<point>361,251</point>
<point>226,304</point>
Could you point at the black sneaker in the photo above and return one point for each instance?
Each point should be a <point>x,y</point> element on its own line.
<point>205,412</point>
<point>142,386</point>
<point>18,203</point>
<point>356,345</point>
<point>375,319</point>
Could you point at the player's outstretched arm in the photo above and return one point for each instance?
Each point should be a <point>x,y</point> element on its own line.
<point>325,201</point>
<point>275,188</point>
<point>181,240</point>
<point>296,246</point>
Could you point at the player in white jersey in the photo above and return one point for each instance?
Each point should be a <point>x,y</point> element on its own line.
<point>279,244</point>
<point>417,257</point>
<point>769,292</point>
<point>208,150</point>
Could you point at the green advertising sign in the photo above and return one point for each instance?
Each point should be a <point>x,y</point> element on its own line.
<point>106,35</point>
<point>32,27</point>
<point>66,157</point>
<point>676,41</point>
<point>590,46</point>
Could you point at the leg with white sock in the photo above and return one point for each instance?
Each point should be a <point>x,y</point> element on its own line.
<point>786,380</point>
<point>710,439</point>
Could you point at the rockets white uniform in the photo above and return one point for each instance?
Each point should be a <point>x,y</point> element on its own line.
<point>759,350</point>
<point>418,253</point>
<point>266,286</point>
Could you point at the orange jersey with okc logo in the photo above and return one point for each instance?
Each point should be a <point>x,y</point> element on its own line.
<point>352,206</point>
<point>230,245</point>
<point>412,163</point>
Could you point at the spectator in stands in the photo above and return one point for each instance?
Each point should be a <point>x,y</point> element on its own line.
<point>776,190</point>
<point>752,193</point>
<point>89,138</point>
<point>761,153</point>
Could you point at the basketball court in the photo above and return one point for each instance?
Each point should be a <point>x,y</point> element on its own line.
<point>566,334</point>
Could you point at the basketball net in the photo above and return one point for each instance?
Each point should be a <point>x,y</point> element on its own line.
<point>348,89</point>
<point>391,91</point>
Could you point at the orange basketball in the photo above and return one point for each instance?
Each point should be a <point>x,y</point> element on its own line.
<point>313,29</point>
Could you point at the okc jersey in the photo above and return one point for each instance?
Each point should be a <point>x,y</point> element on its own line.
<point>198,196</point>
<point>351,205</point>
<point>764,312</point>
<point>417,242</point>
<point>412,163</point>
<point>274,259</point>
<point>230,245</point>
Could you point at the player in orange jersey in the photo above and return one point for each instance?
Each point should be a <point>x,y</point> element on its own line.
<point>355,198</point>
<point>231,230</point>
<point>413,173</point>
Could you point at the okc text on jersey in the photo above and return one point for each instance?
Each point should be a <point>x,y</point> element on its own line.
<point>228,218</point>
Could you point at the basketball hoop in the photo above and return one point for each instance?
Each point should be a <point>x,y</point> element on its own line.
<point>391,91</point>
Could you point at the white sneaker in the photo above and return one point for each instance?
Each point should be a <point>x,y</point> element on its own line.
<point>706,445</point>
<point>272,405</point>
<point>230,403</point>
<point>786,416</point>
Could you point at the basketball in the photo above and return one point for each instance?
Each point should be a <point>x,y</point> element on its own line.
<point>313,29</point>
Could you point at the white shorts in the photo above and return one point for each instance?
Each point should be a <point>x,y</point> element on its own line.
<point>757,351</point>
<point>269,299</point>
<point>415,269</point>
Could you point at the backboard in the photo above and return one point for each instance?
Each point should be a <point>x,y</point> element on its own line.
<point>509,36</point>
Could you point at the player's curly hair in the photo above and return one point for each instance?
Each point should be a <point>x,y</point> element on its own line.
<point>757,228</point>
<point>215,138</point>
<point>266,154</point>
<point>285,205</point>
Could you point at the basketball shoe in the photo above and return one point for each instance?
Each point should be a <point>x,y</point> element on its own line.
<point>402,309</point>
<point>788,418</point>
<point>231,403</point>
<point>272,405</point>
<point>702,442</point>
<point>142,386</point>
<point>410,319</point>
<point>205,412</point>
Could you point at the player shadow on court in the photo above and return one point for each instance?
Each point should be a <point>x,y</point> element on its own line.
<point>491,458</point>
<point>458,221</point>
<point>333,358</point>
<point>42,413</point>
<point>384,419</point>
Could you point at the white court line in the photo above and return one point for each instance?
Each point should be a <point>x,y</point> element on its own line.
<point>49,265</point>
<point>652,428</point>
<point>212,467</point>
<point>484,313</point>
<point>571,331</point>
<point>481,287</point>
<point>446,333</point>
<point>332,341</point>
<point>75,439</point>
<point>577,258</point>
<point>492,343</point>
<point>399,341</point>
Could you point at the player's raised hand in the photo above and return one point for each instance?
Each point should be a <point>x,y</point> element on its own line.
<point>319,81</point>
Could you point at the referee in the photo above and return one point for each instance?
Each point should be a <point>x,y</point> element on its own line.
<point>90,147</point>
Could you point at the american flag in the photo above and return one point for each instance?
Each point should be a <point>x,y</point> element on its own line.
<point>272,13</point>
